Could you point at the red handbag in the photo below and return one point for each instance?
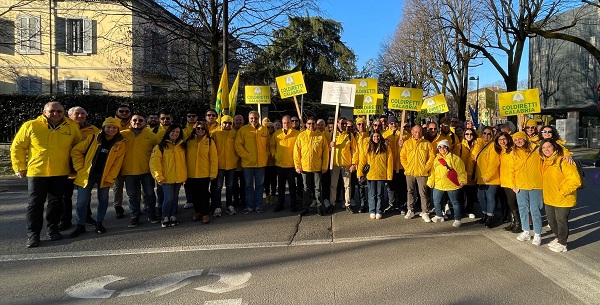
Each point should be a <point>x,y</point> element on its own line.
<point>452,175</point>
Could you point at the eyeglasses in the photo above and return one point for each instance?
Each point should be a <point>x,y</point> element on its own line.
<point>468,134</point>
<point>191,115</point>
<point>137,120</point>
<point>211,114</point>
<point>359,124</point>
<point>165,118</point>
<point>200,128</point>
<point>486,133</point>
<point>375,125</point>
<point>227,123</point>
<point>432,128</point>
<point>546,131</point>
<point>124,111</point>
<point>349,126</point>
<point>294,120</point>
<point>392,123</point>
<point>530,127</point>
<point>310,123</point>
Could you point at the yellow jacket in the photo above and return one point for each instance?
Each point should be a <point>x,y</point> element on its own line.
<point>439,179</point>
<point>138,151</point>
<point>526,174</point>
<point>450,137</point>
<point>43,151</point>
<point>487,163</point>
<point>345,147</point>
<point>362,144</point>
<point>88,129</point>
<point>282,147</point>
<point>560,182</point>
<point>187,130</point>
<point>83,159</point>
<point>160,131</point>
<point>123,125</point>
<point>507,166</point>
<point>225,143</point>
<point>417,157</point>
<point>310,154</point>
<point>213,128</point>
<point>201,157</point>
<point>381,166</point>
<point>169,165</point>
<point>463,150</point>
<point>252,145</point>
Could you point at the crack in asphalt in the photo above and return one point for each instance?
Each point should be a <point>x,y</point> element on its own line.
<point>296,230</point>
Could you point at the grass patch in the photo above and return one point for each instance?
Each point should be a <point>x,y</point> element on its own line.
<point>589,156</point>
<point>5,165</point>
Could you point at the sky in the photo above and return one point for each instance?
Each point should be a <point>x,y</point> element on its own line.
<point>366,27</point>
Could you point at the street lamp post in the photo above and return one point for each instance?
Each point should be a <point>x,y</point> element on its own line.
<point>477,103</point>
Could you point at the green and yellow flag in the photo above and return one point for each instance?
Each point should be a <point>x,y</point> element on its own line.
<point>233,93</point>
<point>222,94</point>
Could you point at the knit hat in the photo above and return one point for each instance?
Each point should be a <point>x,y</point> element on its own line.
<point>360,120</point>
<point>111,121</point>
<point>531,122</point>
<point>443,143</point>
<point>226,118</point>
<point>392,119</point>
<point>265,120</point>
<point>269,124</point>
<point>519,135</point>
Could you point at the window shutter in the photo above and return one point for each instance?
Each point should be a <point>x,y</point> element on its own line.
<point>60,34</point>
<point>86,87</point>
<point>35,33</point>
<point>62,86</point>
<point>23,85</point>
<point>35,85</point>
<point>87,36</point>
<point>23,28</point>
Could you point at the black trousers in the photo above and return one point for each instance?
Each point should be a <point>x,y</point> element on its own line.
<point>286,175</point>
<point>558,219</point>
<point>199,194</point>
<point>41,189</point>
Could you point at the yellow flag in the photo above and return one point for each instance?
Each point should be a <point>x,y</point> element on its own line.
<point>435,104</point>
<point>223,93</point>
<point>233,95</point>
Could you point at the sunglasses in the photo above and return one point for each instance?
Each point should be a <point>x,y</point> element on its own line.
<point>432,128</point>
<point>211,114</point>
<point>375,125</point>
<point>200,128</point>
<point>137,120</point>
<point>191,115</point>
<point>311,123</point>
<point>227,123</point>
<point>124,111</point>
<point>486,133</point>
<point>468,134</point>
<point>546,131</point>
<point>530,127</point>
<point>294,120</point>
<point>359,124</point>
<point>165,119</point>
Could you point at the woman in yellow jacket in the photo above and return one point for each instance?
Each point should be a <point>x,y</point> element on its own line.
<point>503,144</point>
<point>560,182</point>
<point>463,150</point>
<point>442,180</point>
<point>97,160</point>
<point>168,167</point>
<point>487,175</point>
<point>202,167</point>
<point>527,180</point>
<point>380,159</point>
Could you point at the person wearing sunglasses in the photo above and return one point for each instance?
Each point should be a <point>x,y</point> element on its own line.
<point>139,142</point>
<point>282,148</point>
<point>344,146</point>
<point>531,131</point>
<point>123,113</point>
<point>362,144</point>
<point>211,120</point>
<point>202,167</point>
<point>486,172</point>
<point>165,119</point>
<point>228,161</point>
<point>549,132</point>
<point>504,145</point>
<point>191,119</point>
<point>380,159</point>
<point>468,192</point>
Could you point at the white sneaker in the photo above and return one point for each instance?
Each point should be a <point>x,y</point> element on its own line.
<point>524,236</point>
<point>188,205</point>
<point>409,214</point>
<point>457,224</point>
<point>537,240</point>
<point>472,216</point>
<point>437,219</point>
<point>558,248</point>
<point>372,216</point>
<point>377,216</point>
<point>425,217</point>
<point>231,210</point>
<point>217,212</point>
<point>553,242</point>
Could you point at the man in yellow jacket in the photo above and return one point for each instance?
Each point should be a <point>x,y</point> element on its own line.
<point>343,148</point>
<point>283,142</point>
<point>228,160</point>
<point>252,145</point>
<point>97,160</point>
<point>397,186</point>
<point>136,169</point>
<point>417,156</point>
<point>123,113</point>
<point>311,160</point>
<point>40,152</point>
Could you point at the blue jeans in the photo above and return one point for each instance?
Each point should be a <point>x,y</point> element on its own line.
<point>171,193</point>
<point>530,201</point>
<point>83,197</point>
<point>134,184</point>
<point>453,195</point>
<point>228,176</point>
<point>487,198</point>
<point>376,188</point>
<point>255,178</point>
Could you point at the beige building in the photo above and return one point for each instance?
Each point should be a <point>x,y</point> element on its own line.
<point>89,47</point>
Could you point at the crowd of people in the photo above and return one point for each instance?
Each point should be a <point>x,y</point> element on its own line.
<point>448,168</point>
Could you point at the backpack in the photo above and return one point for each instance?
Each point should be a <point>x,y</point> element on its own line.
<point>579,171</point>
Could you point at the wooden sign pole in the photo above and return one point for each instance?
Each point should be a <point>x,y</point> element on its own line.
<point>299,113</point>
<point>331,156</point>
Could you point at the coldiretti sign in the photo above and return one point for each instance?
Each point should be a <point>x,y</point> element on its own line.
<point>258,94</point>
<point>519,102</point>
<point>368,104</point>
<point>405,98</point>
<point>365,85</point>
<point>291,84</point>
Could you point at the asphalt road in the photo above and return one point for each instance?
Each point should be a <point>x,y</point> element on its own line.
<point>281,258</point>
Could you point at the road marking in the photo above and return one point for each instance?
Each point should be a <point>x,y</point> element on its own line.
<point>225,302</point>
<point>228,281</point>
<point>162,284</point>
<point>94,288</point>
<point>100,253</point>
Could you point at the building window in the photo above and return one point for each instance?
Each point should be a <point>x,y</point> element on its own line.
<point>29,32</point>
<point>74,86</point>
<point>29,85</point>
<point>79,36</point>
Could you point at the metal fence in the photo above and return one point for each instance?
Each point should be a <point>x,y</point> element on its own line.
<point>589,137</point>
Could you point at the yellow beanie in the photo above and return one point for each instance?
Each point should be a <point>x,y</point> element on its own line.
<point>226,118</point>
<point>111,121</point>
<point>531,122</point>
<point>520,135</point>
